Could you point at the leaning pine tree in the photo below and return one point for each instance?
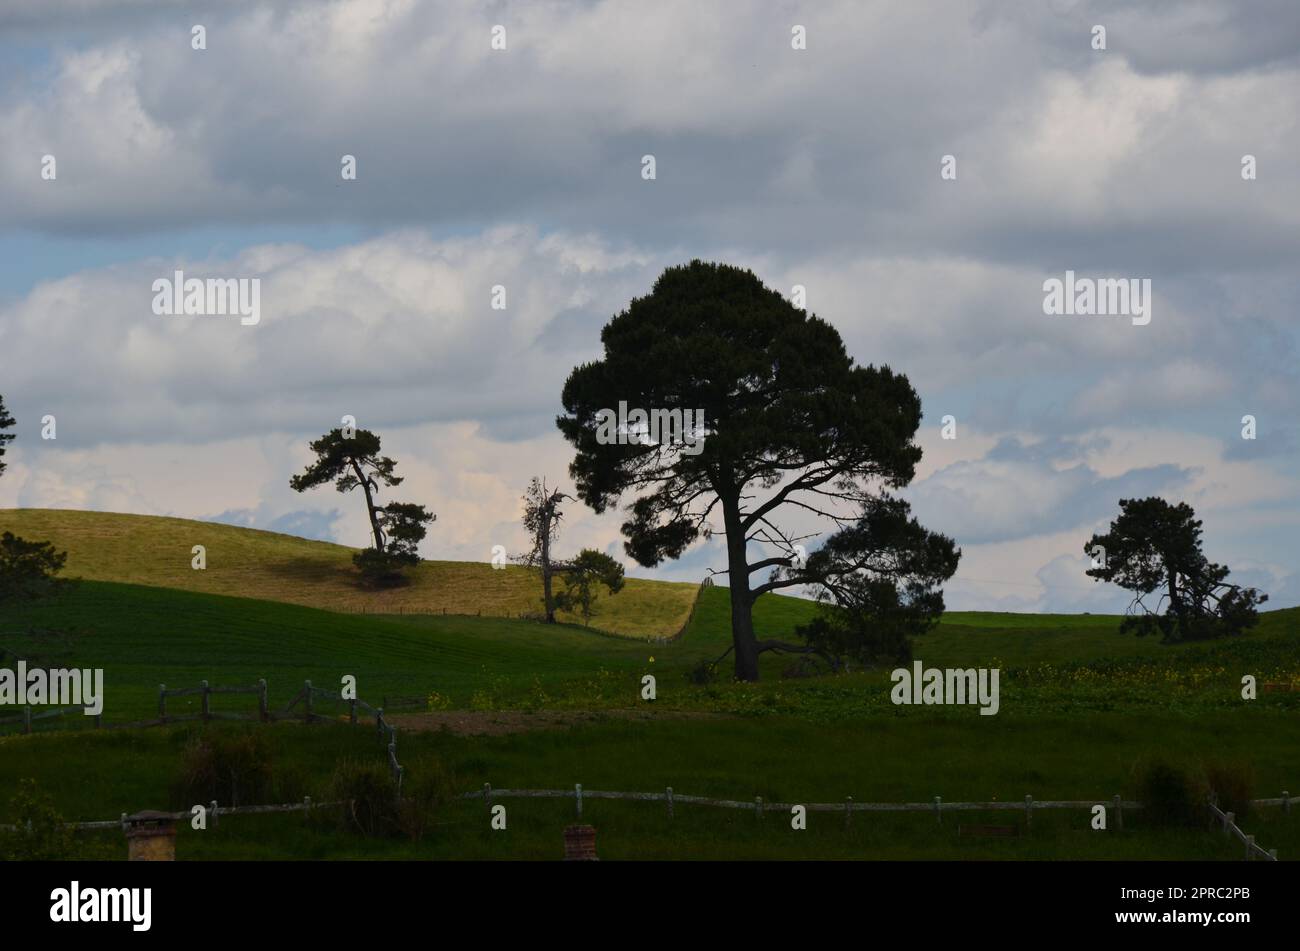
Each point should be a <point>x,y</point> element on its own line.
<point>350,459</point>
<point>792,426</point>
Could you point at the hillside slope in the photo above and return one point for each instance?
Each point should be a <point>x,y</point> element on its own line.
<point>250,563</point>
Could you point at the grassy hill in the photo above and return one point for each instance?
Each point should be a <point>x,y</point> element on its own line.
<point>1081,707</point>
<point>143,636</point>
<point>814,739</point>
<point>244,562</point>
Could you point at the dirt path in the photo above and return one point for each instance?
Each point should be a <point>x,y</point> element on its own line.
<point>502,722</point>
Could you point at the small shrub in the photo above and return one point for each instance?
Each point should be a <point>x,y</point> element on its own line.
<point>1232,784</point>
<point>383,569</point>
<point>437,701</point>
<point>702,673</point>
<point>369,796</point>
<point>232,768</point>
<point>428,786</point>
<point>27,568</point>
<point>43,835</point>
<point>1172,795</point>
<point>371,806</point>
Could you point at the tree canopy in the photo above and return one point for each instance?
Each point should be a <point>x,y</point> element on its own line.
<point>27,568</point>
<point>1153,546</point>
<point>6,422</point>
<point>351,459</point>
<point>791,426</point>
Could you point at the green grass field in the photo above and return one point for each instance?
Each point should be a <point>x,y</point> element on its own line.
<point>1081,707</point>
<point>781,759</point>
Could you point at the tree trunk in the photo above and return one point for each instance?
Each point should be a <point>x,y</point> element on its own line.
<point>742,602</point>
<point>1176,602</point>
<point>370,506</point>
<point>548,599</point>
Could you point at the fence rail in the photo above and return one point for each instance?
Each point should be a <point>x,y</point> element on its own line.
<point>1230,827</point>
<point>214,812</point>
<point>936,806</point>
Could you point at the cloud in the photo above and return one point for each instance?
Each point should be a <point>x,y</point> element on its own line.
<point>1018,490</point>
<point>521,168</point>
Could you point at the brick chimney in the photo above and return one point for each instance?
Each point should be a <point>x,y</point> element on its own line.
<point>151,837</point>
<point>580,844</point>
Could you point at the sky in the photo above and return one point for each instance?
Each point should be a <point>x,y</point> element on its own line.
<point>523,167</point>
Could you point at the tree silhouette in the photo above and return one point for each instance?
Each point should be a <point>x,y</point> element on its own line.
<point>541,519</point>
<point>6,422</point>
<point>582,577</point>
<point>27,569</point>
<point>1156,547</point>
<point>790,424</point>
<point>352,460</point>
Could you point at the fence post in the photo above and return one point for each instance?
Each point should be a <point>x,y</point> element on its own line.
<point>207,710</point>
<point>306,697</point>
<point>670,802</point>
<point>938,809</point>
<point>577,796</point>
<point>1272,853</point>
<point>213,809</point>
<point>162,703</point>
<point>487,796</point>
<point>1228,819</point>
<point>1250,848</point>
<point>1286,801</point>
<point>848,811</point>
<point>1029,811</point>
<point>263,711</point>
<point>1119,811</point>
<point>27,718</point>
<point>758,807</point>
<point>379,722</point>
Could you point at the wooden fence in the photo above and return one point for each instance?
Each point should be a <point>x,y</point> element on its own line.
<point>936,806</point>
<point>306,697</point>
<point>1230,827</point>
<point>27,717</point>
<point>214,813</point>
<point>385,730</point>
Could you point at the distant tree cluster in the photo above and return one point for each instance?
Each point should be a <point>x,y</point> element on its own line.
<point>582,576</point>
